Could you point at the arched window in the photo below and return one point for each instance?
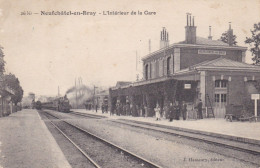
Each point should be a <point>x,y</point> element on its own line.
<point>151,70</point>
<point>146,72</point>
<point>168,65</point>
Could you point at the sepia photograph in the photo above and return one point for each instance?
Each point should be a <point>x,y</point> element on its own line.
<point>129,83</point>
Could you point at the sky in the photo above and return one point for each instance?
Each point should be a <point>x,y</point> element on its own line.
<point>45,52</point>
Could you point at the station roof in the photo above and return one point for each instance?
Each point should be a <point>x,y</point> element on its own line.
<point>102,93</point>
<point>122,83</point>
<point>200,43</point>
<point>225,64</point>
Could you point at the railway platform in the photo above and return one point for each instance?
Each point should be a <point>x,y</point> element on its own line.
<point>26,142</point>
<point>217,127</point>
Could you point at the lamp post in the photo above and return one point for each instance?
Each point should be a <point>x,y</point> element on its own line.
<point>94,103</point>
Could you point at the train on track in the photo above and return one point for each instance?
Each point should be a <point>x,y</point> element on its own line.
<point>61,104</point>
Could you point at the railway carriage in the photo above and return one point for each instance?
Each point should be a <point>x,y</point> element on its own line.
<point>60,104</point>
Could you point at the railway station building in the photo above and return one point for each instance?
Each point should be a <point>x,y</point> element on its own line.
<point>191,70</point>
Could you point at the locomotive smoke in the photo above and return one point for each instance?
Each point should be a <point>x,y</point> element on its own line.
<point>83,93</point>
<point>72,89</point>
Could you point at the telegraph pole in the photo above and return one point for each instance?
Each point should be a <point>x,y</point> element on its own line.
<point>94,103</point>
<point>76,93</point>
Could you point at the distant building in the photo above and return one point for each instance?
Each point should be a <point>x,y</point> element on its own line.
<point>196,68</point>
<point>6,107</point>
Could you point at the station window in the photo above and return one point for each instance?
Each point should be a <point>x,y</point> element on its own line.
<point>223,83</point>
<point>217,83</point>
<point>216,97</point>
<point>146,72</point>
<point>168,65</point>
<point>220,83</point>
<point>223,97</point>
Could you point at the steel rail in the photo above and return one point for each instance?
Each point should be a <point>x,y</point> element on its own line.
<point>248,151</point>
<point>181,133</point>
<point>151,164</point>
<point>85,154</point>
<point>202,137</point>
<point>87,115</point>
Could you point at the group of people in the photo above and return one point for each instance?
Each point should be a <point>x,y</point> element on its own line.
<point>104,108</point>
<point>174,112</point>
<point>171,111</point>
<point>129,109</point>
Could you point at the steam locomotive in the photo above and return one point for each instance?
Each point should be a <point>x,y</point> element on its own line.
<point>60,104</point>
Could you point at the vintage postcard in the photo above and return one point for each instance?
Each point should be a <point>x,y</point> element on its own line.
<point>129,83</point>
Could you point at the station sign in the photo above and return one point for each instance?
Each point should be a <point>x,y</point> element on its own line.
<point>215,52</point>
<point>187,86</point>
<point>255,96</point>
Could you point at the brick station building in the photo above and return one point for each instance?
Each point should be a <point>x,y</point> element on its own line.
<point>196,68</point>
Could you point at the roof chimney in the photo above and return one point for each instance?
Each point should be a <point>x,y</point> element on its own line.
<point>230,35</point>
<point>210,37</point>
<point>187,19</point>
<point>190,30</point>
<point>164,38</point>
<point>149,46</point>
<point>190,19</point>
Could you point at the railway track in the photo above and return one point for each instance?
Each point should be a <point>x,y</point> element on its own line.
<point>87,115</point>
<point>253,149</point>
<point>100,152</point>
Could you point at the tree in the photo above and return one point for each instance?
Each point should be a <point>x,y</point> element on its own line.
<point>13,83</point>
<point>224,38</point>
<point>2,62</point>
<point>254,42</point>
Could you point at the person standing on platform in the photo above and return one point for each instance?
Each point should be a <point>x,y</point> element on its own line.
<point>180,109</point>
<point>103,108</point>
<point>200,109</point>
<point>161,112</point>
<point>134,110</point>
<point>142,110</point>
<point>171,112</point>
<point>120,110</point>
<point>117,108</point>
<point>106,107</point>
<point>166,110</point>
<point>127,109</point>
<point>124,109</point>
<point>145,111</point>
<point>176,111</point>
<point>157,112</point>
<point>184,110</point>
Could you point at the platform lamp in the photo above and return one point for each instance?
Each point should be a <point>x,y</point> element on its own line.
<point>1,92</point>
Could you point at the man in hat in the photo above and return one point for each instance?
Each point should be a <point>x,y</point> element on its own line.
<point>184,110</point>
<point>171,112</point>
<point>200,109</point>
